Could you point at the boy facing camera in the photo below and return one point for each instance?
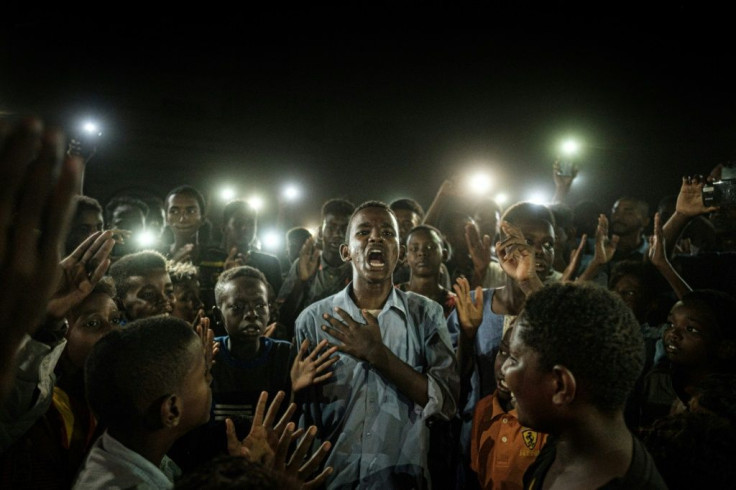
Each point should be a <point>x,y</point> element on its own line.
<point>575,354</point>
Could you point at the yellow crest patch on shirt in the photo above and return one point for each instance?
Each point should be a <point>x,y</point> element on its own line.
<point>530,438</point>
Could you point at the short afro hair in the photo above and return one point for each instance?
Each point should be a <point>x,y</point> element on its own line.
<point>136,264</point>
<point>522,211</point>
<point>85,203</point>
<point>408,205</point>
<point>182,272</point>
<point>187,190</point>
<point>238,272</point>
<point>641,206</point>
<point>339,207</point>
<point>643,271</point>
<point>131,368</point>
<point>591,332</point>
<point>369,204</point>
<point>124,201</point>
<point>233,207</point>
<point>428,229</point>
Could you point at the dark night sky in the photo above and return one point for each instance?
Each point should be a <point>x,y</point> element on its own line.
<point>380,116</point>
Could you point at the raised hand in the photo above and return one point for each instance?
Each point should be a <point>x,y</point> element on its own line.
<point>690,199</point>
<point>360,340</point>
<point>234,259</point>
<point>207,337</point>
<point>469,313</point>
<point>296,467</point>
<point>310,369</point>
<point>480,250</point>
<point>80,273</point>
<point>308,259</point>
<point>563,181</point>
<point>574,263</point>
<point>657,254</point>
<point>38,186</point>
<point>515,255</point>
<point>261,444</point>
<point>605,248</point>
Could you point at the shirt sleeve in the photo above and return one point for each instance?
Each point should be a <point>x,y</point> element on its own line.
<point>442,376</point>
<point>32,390</point>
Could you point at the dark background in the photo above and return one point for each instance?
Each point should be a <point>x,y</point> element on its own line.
<point>378,106</point>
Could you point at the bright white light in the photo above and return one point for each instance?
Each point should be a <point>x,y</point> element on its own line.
<point>227,193</point>
<point>271,240</point>
<point>570,147</point>
<point>291,192</point>
<point>146,239</point>
<point>537,197</point>
<point>479,183</point>
<point>91,128</point>
<point>501,199</point>
<point>313,229</point>
<point>256,203</point>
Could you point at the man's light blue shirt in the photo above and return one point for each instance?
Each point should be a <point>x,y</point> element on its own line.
<point>379,435</point>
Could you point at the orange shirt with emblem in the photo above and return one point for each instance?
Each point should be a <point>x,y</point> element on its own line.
<point>500,448</point>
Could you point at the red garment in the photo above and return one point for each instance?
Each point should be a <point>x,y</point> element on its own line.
<point>500,448</point>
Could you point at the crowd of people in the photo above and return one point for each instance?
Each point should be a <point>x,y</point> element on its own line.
<point>537,346</point>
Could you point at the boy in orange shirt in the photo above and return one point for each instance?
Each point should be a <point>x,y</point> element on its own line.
<point>501,448</point>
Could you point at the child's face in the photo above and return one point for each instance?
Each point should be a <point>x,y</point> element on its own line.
<point>195,392</point>
<point>690,338</point>
<point>187,302</point>
<point>631,291</point>
<point>373,245</point>
<point>526,380</point>
<point>148,295</point>
<point>540,235</point>
<point>93,319</point>
<point>424,253</point>
<point>244,306</point>
<point>183,215</point>
<point>502,387</point>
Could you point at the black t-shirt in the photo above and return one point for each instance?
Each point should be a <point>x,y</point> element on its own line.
<point>642,473</point>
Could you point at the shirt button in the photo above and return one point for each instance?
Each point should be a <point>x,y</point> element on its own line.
<point>505,420</point>
<point>504,439</point>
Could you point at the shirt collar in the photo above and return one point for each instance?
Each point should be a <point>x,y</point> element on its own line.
<point>396,301</point>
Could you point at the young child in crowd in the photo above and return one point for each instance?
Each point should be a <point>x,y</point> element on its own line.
<point>576,394</point>
<point>699,340</point>
<point>501,449</point>
<point>186,291</point>
<point>143,285</point>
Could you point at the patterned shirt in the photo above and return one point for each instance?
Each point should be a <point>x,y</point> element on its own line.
<point>379,435</point>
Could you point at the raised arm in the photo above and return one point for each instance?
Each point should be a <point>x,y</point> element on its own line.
<point>689,205</point>
<point>658,258</point>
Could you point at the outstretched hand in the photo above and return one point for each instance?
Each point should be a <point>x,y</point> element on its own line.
<point>657,255</point>
<point>360,340</point>
<point>563,181</point>
<point>575,257</point>
<point>605,247</point>
<point>480,250</point>
<point>313,368</point>
<point>235,259</point>
<point>308,259</point>
<point>690,199</point>
<point>261,444</point>
<point>80,273</point>
<point>38,186</point>
<point>296,467</point>
<point>469,313</point>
